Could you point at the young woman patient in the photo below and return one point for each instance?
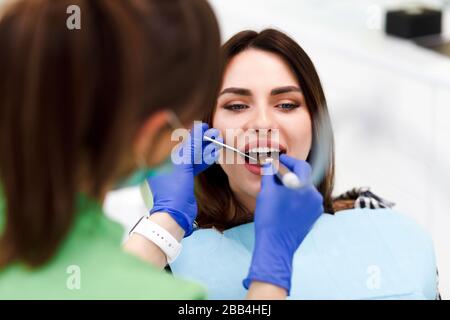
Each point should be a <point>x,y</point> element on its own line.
<point>271,99</point>
<point>269,85</point>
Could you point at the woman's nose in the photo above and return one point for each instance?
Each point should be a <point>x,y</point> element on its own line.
<point>262,120</point>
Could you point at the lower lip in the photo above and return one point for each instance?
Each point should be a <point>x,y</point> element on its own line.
<point>253,168</point>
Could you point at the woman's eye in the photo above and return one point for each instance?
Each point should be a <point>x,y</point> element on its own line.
<point>236,107</point>
<point>288,106</point>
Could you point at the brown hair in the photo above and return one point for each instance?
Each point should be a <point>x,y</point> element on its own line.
<point>216,200</point>
<point>71,100</point>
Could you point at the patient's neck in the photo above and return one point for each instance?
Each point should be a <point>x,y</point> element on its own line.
<point>247,200</point>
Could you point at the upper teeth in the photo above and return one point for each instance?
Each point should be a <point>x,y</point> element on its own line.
<point>263,150</point>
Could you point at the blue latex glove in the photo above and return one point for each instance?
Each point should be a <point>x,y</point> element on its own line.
<point>173,192</point>
<point>283,217</point>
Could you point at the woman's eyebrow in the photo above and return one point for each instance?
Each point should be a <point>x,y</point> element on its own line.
<point>238,91</point>
<point>285,89</point>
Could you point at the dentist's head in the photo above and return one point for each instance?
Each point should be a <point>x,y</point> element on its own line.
<point>79,108</point>
<point>272,98</point>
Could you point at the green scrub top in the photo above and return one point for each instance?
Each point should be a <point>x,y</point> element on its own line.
<point>91,264</point>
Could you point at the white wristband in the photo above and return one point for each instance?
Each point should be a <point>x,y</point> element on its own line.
<point>159,236</point>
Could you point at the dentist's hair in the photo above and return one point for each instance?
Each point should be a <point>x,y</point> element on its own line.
<point>218,206</point>
<point>72,100</point>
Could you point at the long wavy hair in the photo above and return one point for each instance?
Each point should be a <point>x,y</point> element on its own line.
<point>218,206</point>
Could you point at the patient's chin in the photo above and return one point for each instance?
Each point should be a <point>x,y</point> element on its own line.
<point>252,185</point>
<point>242,181</point>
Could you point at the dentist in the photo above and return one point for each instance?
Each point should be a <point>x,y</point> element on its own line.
<point>80,112</point>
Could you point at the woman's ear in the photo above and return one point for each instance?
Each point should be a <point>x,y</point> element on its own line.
<point>152,143</point>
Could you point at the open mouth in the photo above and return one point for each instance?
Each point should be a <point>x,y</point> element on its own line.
<point>260,154</point>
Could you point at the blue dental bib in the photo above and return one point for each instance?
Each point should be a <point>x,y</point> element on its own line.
<point>355,254</point>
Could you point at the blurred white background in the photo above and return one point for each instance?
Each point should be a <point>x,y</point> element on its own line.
<point>389,101</point>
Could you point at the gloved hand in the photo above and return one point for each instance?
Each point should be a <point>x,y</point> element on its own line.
<point>173,192</point>
<point>283,217</point>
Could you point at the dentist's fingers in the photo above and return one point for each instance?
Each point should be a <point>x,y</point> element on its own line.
<point>198,126</point>
<point>197,131</point>
<point>195,141</point>
<point>268,178</point>
<point>288,161</point>
<point>212,133</point>
<point>211,150</point>
<point>300,167</point>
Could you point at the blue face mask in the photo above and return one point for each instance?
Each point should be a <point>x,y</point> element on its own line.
<point>139,176</point>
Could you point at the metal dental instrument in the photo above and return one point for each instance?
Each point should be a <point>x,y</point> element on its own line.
<point>287,177</point>
<point>229,147</point>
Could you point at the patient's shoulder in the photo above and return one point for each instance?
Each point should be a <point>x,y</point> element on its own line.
<point>381,227</point>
